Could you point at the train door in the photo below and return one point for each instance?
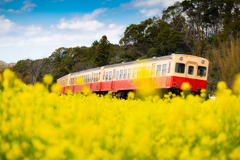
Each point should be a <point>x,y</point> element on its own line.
<point>191,73</point>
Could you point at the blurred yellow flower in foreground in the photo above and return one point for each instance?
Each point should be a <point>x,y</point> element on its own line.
<point>186,86</point>
<point>38,124</point>
<point>48,79</point>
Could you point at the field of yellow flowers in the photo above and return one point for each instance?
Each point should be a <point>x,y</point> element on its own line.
<point>38,124</point>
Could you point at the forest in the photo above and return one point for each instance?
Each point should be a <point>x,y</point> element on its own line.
<point>206,28</point>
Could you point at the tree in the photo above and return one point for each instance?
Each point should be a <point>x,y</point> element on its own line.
<point>34,69</point>
<point>101,56</point>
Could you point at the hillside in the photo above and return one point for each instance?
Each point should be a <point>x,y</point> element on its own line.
<point>4,65</point>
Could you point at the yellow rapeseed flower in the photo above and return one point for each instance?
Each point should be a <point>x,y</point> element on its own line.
<point>56,88</point>
<point>236,84</point>
<point>37,124</point>
<point>131,95</point>
<point>48,79</point>
<point>186,86</point>
<point>80,80</point>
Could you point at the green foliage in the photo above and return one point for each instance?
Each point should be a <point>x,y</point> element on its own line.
<point>101,56</point>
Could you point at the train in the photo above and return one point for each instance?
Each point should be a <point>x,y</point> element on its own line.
<point>165,73</point>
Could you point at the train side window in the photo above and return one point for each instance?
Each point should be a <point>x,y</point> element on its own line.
<point>110,76</point>
<point>121,74</point>
<point>153,70</point>
<point>164,70</point>
<point>114,74</point>
<point>125,73</point>
<point>201,71</point>
<point>190,70</point>
<point>159,70</point>
<point>117,75</point>
<point>134,72</point>
<point>97,77</point>
<point>180,68</point>
<point>90,78</point>
<point>129,73</point>
<point>106,76</point>
<point>169,69</point>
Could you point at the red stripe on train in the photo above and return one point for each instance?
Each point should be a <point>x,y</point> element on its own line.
<point>131,84</point>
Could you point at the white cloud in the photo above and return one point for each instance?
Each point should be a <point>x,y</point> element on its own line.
<point>6,25</point>
<point>150,12</point>
<point>27,7</point>
<point>94,14</point>
<point>150,3</point>
<point>112,25</point>
<point>84,23</point>
<point>34,42</point>
<point>76,23</point>
<point>148,7</point>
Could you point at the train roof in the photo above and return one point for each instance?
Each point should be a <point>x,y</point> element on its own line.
<point>127,63</point>
<point>139,61</point>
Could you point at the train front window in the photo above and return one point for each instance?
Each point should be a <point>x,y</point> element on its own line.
<point>180,68</point>
<point>190,70</point>
<point>201,71</point>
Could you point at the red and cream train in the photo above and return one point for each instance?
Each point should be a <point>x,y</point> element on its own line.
<point>167,72</point>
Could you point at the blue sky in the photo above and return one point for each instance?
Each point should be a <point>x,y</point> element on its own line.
<point>35,28</point>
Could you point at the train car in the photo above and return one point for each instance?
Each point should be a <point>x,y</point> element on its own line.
<point>166,72</point>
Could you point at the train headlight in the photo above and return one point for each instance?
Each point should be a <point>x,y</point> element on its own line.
<point>203,61</point>
<point>181,58</point>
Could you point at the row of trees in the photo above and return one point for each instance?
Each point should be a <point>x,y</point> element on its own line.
<point>197,27</point>
<point>66,60</point>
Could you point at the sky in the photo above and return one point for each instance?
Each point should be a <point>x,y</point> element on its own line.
<point>35,28</point>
